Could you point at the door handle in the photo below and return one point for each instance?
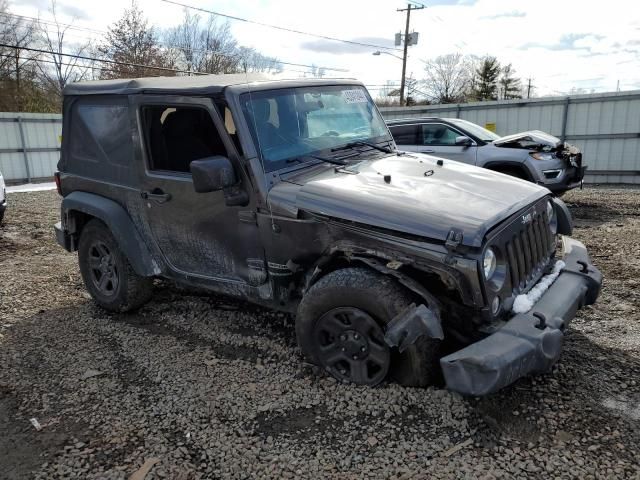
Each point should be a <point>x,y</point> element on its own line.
<point>427,151</point>
<point>157,195</point>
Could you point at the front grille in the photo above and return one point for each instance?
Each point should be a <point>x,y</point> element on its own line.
<point>528,250</point>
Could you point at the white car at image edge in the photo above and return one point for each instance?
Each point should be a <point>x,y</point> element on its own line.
<point>3,197</point>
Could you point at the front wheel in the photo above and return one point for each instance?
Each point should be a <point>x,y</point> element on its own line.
<point>340,326</point>
<point>107,274</point>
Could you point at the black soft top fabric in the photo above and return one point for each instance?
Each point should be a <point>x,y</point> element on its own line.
<point>198,84</point>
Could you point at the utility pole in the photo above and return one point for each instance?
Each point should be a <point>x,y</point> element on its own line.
<point>529,88</point>
<point>406,45</point>
<point>18,93</point>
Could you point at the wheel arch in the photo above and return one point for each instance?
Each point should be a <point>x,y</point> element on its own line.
<point>339,259</point>
<point>78,208</point>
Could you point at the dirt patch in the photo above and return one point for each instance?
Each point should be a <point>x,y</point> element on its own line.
<point>24,449</point>
<point>216,388</point>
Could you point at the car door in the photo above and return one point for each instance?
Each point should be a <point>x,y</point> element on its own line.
<point>439,139</point>
<point>197,234</point>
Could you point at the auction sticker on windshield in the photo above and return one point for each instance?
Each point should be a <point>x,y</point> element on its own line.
<point>354,96</point>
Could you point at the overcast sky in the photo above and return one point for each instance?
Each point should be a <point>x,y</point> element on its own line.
<point>560,44</point>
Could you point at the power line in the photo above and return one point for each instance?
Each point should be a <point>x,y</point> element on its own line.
<point>54,24</point>
<point>169,45</point>
<point>112,62</point>
<point>104,69</point>
<point>67,64</point>
<point>285,29</point>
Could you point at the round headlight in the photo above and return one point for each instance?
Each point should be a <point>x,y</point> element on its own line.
<point>489,263</point>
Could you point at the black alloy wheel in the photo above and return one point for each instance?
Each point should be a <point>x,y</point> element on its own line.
<point>104,271</point>
<point>351,346</point>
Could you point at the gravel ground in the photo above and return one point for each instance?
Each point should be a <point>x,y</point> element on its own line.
<point>214,388</point>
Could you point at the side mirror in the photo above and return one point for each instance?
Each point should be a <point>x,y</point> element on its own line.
<point>212,174</point>
<point>464,141</point>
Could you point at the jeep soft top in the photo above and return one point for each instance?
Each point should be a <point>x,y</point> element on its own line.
<point>291,194</point>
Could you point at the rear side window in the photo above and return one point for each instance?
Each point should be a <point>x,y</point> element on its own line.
<point>177,135</point>
<point>405,134</point>
<point>100,140</point>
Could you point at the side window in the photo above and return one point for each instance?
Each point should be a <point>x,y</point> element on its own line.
<point>177,135</point>
<point>101,134</point>
<point>405,134</point>
<point>438,134</point>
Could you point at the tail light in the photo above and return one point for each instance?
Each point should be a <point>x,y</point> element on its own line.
<point>56,177</point>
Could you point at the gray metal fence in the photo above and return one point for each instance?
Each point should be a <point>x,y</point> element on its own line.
<point>29,145</point>
<point>606,126</point>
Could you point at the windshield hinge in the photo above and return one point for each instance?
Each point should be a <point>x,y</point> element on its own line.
<point>454,239</point>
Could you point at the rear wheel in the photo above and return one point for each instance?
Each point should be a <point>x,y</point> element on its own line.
<point>106,272</point>
<point>340,326</point>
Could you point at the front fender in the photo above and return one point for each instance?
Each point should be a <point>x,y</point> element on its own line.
<point>565,221</point>
<point>116,218</point>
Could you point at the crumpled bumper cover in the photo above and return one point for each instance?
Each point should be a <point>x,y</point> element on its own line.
<point>530,342</point>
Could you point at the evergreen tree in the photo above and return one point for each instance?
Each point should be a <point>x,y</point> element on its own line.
<point>510,86</point>
<point>486,79</point>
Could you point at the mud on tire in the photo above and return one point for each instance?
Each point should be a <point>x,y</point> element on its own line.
<point>382,298</point>
<point>106,272</point>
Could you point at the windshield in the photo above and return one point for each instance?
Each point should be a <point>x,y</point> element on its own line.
<point>476,130</point>
<point>294,122</point>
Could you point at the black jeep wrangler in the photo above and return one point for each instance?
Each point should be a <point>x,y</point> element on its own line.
<point>292,194</point>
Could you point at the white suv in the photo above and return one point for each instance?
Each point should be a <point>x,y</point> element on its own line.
<point>3,198</point>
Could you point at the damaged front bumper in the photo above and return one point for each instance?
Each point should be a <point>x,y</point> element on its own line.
<point>530,342</point>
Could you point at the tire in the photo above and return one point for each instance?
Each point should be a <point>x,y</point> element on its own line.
<point>382,298</point>
<point>112,283</point>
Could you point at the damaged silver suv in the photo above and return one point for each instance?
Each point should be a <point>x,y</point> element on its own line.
<point>534,156</point>
<point>291,194</point>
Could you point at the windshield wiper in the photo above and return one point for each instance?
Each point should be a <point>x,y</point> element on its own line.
<point>333,161</point>
<point>358,143</point>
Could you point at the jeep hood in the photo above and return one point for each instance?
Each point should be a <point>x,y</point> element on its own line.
<point>532,140</point>
<point>409,194</point>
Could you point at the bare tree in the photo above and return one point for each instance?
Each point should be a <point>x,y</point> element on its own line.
<point>254,61</point>
<point>212,48</point>
<point>447,79</point>
<point>64,64</point>
<point>134,45</point>
<point>16,62</point>
<point>472,63</point>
